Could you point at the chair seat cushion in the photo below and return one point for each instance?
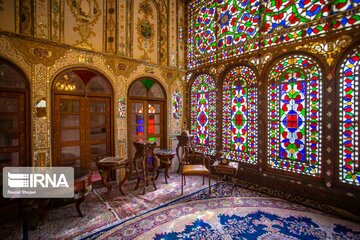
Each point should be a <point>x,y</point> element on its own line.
<point>195,170</point>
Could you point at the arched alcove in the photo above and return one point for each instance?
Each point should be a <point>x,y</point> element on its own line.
<point>14,116</point>
<point>82,122</point>
<point>147,117</point>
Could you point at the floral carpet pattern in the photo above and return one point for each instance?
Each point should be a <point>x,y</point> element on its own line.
<point>228,213</point>
<point>102,209</point>
<point>230,217</point>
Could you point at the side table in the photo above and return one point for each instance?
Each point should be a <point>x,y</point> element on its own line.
<point>113,163</point>
<point>165,157</point>
<point>225,170</point>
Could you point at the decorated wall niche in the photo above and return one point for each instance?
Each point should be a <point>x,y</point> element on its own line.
<point>145,38</point>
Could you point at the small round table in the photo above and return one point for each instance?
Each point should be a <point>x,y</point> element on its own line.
<point>165,157</point>
<point>113,163</point>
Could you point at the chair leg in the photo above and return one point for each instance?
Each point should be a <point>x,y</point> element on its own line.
<point>209,184</point>
<point>184,180</point>
<point>182,184</point>
<point>203,180</point>
<point>137,183</point>
<point>153,181</point>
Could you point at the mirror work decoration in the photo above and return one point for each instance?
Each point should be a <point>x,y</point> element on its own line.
<point>177,102</point>
<point>121,107</point>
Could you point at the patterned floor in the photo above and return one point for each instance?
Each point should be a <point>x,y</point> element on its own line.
<point>102,209</point>
<point>165,214</point>
<point>230,214</point>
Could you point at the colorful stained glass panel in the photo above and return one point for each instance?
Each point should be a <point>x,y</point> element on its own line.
<point>203,113</point>
<point>294,115</point>
<point>349,171</point>
<point>240,115</point>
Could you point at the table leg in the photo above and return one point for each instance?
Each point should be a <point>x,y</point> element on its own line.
<point>104,179</point>
<point>177,154</point>
<point>123,180</point>
<point>157,174</point>
<point>78,202</point>
<point>167,166</point>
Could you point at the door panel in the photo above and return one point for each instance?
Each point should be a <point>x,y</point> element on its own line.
<point>69,135</point>
<point>145,122</point>
<point>12,129</point>
<point>99,131</point>
<point>82,130</point>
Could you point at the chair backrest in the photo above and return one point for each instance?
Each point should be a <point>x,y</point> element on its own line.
<point>147,159</point>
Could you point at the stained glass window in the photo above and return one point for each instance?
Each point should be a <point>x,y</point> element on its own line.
<point>202,30</point>
<point>240,115</point>
<point>294,115</point>
<point>349,118</point>
<point>203,113</point>
<point>225,28</point>
<point>238,21</point>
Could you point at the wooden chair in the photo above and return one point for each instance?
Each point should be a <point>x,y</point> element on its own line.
<point>193,163</point>
<point>145,163</point>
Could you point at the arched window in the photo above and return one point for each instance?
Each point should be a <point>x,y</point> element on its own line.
<point>203,113</point>
<point>349,171</point>
<point>294,115</point>
<point>240,115</point>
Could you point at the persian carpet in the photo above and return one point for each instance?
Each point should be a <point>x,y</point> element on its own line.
<point>230,214</point>
<point>103,209</point>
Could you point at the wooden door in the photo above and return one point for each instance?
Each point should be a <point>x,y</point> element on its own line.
<point>155,122</point>
<point>145,122</point>
<point>98,128</point>
<point>82,130</point>
<point>69,131</point>
<point>12,129</point>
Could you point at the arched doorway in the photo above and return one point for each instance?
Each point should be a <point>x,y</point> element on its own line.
<point>146,113</point>
<point>82,118</point>
<point>14,116</point>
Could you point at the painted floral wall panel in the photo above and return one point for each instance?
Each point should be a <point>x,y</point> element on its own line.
<point>83,24</point>
<point>145,30</point>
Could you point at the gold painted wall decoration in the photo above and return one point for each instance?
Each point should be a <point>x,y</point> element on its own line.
<point>328,48</point>
<point>86,13</point>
